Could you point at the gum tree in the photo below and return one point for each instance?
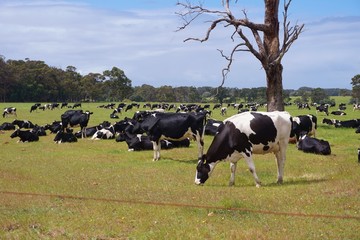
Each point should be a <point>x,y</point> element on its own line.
<point>267,47</point>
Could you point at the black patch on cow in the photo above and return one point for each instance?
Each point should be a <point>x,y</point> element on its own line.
<point>228,139</point>
<point>262,124</point>
<point>265,148</point>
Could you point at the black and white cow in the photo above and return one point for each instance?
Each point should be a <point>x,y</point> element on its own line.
<point>34,107</point>
<point>9,111</point>
<point>243,135</point>
<point>329,121</point>
<point>354,123</point>
<point>338,113</point>
<point>323,108</point>
<point>75,118</point>
<point>358,151</point>
<point>304,123</point>
<point>173,126</point>
<point>104,133</point>
<point>54,127</point>
<point>38,130</point>
<point>139,142</point>
<point>66,135</point>
<point>23,123</point>
<point>7,126</point>
<point>313,145</point>
<point>25,135</point>
<point>212,126</point>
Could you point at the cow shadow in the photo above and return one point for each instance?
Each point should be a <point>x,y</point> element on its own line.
<point>193,162</point>
<point>292,182</point>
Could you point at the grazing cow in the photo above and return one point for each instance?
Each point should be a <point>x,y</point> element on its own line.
<point>64,104</point>
<point>74,118</point>
<point>217,105</point>
<point>7,126</point>
<point>34,107</point>
<point>304,123</point>
<point>76,105</point>
<point>323,108</point>
<point>212,126</point>
<point>173,126</point>
<point>354,123</point>
<point>65,136</point>
<point>223,111</point>
<point>25,135</point>
<point>356,107</point>
<point>338,113</point>
<point>23,123</point>
<point>313,145</point>
<point>9,111</point>
<point>243,135</point>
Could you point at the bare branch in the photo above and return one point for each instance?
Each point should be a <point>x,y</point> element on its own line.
<point>290,33</point>
<point>212,27</point>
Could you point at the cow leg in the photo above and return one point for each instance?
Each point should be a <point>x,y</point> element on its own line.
<point>156,147</point>
<point>233,171</point>
<point>200,144</point>
<point>280,161</point>
<point>251,166</point>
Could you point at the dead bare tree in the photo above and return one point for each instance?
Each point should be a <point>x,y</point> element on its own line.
<point>266,35</point>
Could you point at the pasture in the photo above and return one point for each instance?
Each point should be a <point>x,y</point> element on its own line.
<point>99,190</point>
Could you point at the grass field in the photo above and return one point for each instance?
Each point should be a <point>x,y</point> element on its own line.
<point>99,190</point>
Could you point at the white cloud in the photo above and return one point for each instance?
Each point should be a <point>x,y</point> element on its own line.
<point>145,45</point>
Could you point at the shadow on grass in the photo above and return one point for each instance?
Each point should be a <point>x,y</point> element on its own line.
<point>193,162</point>
<point>300,181</point>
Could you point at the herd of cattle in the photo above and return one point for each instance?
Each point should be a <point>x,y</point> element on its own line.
<point>241,135</point>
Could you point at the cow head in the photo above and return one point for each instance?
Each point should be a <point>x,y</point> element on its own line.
<point>15,134</point>
<point>203,170</point>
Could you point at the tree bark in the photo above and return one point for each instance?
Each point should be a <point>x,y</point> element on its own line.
<point>274,89</point>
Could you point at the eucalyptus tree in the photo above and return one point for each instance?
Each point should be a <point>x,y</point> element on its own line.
<point>265,44</point>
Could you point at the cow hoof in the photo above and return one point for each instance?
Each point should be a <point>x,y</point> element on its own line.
<point>231,184</point>
<point>280,181</point>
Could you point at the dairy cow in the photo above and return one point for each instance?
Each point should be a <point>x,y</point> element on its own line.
<point>313,145</point>
<point>9,110</point>
<point>25,135</point>
<point>74,118</point>
<point>243,135</point>
<point>172,126</point>
<point>304,123</point>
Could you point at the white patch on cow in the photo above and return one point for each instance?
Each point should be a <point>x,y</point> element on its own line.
<point>139,137</point>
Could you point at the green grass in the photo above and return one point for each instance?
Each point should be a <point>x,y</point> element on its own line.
<point>99,190</point>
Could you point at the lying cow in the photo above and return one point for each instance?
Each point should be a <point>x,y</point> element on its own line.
<point>23,124</point>
<point>338,113</point>
<point>103,134</point>
<point>139,142</point>
<point>243,135</point>
<point>313,145</point>
<point>25,135</point>
<point>65,136</point>
<point>353,123</point>
<point>212,126</point>
<point>7,126</point>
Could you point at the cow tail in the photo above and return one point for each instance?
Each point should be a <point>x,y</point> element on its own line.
<point>292,132</point>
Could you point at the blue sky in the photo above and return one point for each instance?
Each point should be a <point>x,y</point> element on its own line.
<point>139,37</point>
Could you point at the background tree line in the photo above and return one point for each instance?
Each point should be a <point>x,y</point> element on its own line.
<point>34,81</point>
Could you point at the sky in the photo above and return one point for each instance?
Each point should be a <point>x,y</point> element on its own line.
<point>140,37</point>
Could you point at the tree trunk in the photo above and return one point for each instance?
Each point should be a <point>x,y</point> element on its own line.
<point>274,89</point>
